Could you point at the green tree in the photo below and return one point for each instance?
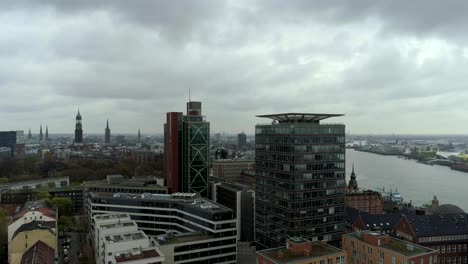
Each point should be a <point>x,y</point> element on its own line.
<point>44,195</point>
<point>64,223</point>
<point>64,205</point>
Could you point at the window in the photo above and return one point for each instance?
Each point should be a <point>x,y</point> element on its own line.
<point>393,260</point>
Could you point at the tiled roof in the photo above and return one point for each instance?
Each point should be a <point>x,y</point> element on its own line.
<point>438,225</point>
<point>36,225</point>
<point>39,253</point>
<point>381,221</point>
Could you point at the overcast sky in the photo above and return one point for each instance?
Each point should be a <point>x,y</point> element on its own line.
<point>390,66</point>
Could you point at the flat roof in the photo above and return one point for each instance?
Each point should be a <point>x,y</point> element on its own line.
<point>299,117</point>
<point>139,255</point>
<point>396,245</point>
<point>318,250</point>
<point>194,202</point>
<point>129,236</point>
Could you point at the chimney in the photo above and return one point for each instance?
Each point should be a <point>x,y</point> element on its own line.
<point>323,242</point>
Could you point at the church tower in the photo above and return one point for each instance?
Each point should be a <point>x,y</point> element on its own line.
<point>47,133</point>
<point>139,136</point>
<point>29,135</point>
<point>352,185</point>
<point>435,202</point>
<point>41,137</point>
<point>78,129</point>
<point>107,134</point>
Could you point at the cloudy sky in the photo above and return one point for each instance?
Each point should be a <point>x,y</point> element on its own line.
<point>390,66</point>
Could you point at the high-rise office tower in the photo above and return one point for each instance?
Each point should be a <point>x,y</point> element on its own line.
<point>107,134</point>
<point>78,129</point>
<point>41,137</point>
<point>300,179</point>
<point>187,151</point>
<point>241,140</point>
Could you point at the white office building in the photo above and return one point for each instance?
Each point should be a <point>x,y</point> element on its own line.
<point>118,240</point>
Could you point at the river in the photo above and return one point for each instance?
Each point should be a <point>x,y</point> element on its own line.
<point>415,181</point>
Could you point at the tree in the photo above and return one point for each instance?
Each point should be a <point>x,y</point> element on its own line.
<point>44,195</point>
<point>64,205</point>
<point>65,223</point>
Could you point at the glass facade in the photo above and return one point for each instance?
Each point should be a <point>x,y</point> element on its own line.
<point>197,171</point>
<point>300,182</point>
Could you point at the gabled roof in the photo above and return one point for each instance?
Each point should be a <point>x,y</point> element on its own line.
<point>39,253</point>
<point>439,225</point>
<point>351,214</point>
<point>381,221</point>
<point>35,225</point>
<point>40,206</point>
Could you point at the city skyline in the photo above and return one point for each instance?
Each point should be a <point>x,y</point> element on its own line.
<point>132,63</point>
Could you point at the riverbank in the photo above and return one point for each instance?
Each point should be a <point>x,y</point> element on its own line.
<point>463,167</point>
<point>416,182</point>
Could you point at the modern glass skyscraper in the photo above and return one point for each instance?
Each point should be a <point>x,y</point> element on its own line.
<point>187,142</point>
<point>300,179</point>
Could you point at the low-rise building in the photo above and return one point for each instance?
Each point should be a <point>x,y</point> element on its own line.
<point>302,251</point>
<point>118,240</point>
<point>447,234</point>
<point>375,247</point>
<point>25,195</point>
<point>35,222</point>
<point>230,169</point>
<point>365,201</point>
<point>53,182</point>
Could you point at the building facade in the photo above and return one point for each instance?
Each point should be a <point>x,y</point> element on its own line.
<point>447,234</point>
<point>33,226</point>
<point>300,179</point>
<point>8,139</point>
<point>241,140</point>
<point>374,247</point>
<point>302,251</point>
<point>230,170</point>
<point>118,240</point>
<point>241,199</point>
<point>187,144</point>
<point>186,227</point>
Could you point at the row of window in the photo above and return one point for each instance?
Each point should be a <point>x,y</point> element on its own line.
<point>340,148</point>
<point>300,129</point>
<point>262,139</point>
<point>288,158</point>
<point>454,260</point>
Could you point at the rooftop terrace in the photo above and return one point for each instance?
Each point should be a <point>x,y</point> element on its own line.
<point>137,235</point>
<point>299,117</point>
<point>134,255</point>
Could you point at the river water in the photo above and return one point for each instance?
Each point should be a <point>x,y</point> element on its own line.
<point>415,181</point>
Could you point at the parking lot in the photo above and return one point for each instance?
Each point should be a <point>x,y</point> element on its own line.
<point>69,247</point>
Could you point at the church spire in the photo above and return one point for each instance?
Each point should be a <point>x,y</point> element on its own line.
<point>352,185</point>
<point>29,134</point>
<point>139,136</point>
<point>47,133</point>
<point>40,133</point>
<point>107,133</point>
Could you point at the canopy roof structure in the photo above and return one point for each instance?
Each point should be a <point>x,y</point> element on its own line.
<point>299,117</point>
